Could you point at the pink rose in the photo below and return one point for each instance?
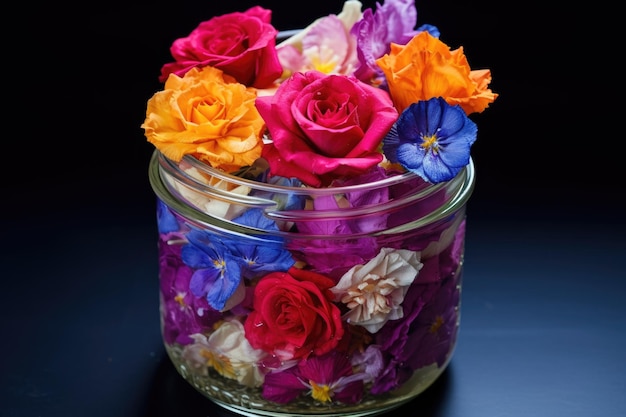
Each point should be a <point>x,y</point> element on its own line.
<point>325,127</point>
<point>294,315</point>
<point>242,44</point>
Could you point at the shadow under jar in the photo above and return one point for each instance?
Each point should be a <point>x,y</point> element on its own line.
<point>278,300</point>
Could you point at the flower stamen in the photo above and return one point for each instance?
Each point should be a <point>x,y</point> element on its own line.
<point>429,142</point>
<point>436,325</point>
<point>321,392</point>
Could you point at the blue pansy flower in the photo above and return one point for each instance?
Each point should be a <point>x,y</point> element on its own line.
<point>432,29</point>
<point>217,273</point>
<point>261,256</point>
<point>432,139</point>
<point>284,200</point>
<point>220,262</point>
<point>166,220</point>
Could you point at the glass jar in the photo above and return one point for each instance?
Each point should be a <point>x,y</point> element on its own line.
<point>279,300</point>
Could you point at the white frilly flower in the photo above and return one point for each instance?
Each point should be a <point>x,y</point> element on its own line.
<point>374,292</point>
<point>228,352</point>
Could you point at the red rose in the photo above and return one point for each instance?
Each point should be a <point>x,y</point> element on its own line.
<point>242,44</point>
<point>294,315</point>
<point>325,127</point>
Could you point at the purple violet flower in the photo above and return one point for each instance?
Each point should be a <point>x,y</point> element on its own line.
<point>393,22</point>
<point>327,378</point>
<point>333,257</point>
<point>450,258</point>
<point>183,313</point>
<point>393,338</point>
<point>433,332</point>
<point>370,362</point>
<point>435,296</point>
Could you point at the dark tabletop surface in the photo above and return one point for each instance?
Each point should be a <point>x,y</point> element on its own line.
<point>543,328</point>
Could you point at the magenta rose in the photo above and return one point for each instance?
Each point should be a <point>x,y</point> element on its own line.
<point>242,44</point>
<point>325,127</point>
<point>294,315</point>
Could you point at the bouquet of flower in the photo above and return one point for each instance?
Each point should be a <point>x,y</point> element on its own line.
<point>356,98</point>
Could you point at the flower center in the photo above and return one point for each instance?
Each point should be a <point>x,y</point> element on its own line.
<point>180,299</point>
<point>434,328</point>
<point>320,392</point>
<point>322,58</point>
<point>220,363</point>
<point>221,265</point>
<point>430,143</point>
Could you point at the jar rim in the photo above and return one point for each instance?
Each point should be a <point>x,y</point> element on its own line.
<point>459,188</point>
<point>313,191</point>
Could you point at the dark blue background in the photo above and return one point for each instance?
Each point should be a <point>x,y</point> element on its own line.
<point>544,300</point>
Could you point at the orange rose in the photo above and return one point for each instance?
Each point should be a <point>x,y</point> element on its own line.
<point>425,68</point>
<point>206,114</point>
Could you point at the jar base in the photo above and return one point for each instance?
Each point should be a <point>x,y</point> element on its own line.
<point>263,413</point>
<point>248,402</point>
